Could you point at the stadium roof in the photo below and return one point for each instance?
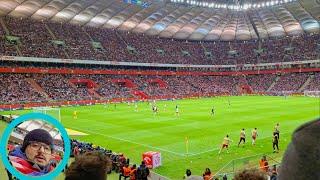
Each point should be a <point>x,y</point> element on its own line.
<point>38,124</point>
<point>176,20</point>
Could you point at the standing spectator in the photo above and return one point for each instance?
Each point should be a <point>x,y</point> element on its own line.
<point>125,172</point>
<point>263,163</point>
<point>142,172</point>
<point>133,172</point>
<point>122,161</point>
<point>207,175</point>
<point>274,173</point>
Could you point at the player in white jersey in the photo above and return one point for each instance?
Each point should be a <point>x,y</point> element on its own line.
<point>177,111</point>
<point>225,143</point>
<point>254,135</point>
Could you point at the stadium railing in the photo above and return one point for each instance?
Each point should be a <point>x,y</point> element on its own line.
<point>250,162</point>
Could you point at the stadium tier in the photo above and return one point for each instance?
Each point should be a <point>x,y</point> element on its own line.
<point>28,87</point>
<point>57,40</point>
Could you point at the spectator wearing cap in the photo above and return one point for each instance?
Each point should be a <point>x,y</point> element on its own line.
<point>33,157</point>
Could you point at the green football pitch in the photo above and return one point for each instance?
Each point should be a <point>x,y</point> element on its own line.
<point>123,129</point>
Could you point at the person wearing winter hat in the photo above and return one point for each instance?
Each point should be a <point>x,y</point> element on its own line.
<point>33,157</point>
<point>301,160</point>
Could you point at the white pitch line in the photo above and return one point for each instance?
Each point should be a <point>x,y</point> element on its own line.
<point>132,142</point>
<point>202,152</point>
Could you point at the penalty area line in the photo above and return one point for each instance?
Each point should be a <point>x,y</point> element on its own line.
<point>133,142</point>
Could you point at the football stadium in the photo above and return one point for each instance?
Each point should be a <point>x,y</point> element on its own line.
<point>160,89</point>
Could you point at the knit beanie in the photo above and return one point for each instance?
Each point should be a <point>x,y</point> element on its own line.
<point>37,135</point>
<point>301,160</point>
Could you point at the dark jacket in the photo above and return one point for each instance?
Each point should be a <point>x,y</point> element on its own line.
<point>142,173</point>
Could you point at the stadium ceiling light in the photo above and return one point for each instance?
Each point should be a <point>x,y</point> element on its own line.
<point>246,6</point>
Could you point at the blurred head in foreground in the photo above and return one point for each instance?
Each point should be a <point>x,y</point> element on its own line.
<point>91,165</point>
<point>301,160</point>
<point>251,174</point>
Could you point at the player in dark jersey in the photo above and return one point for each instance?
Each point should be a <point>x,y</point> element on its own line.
<point>242,137</point>
<point>154,109</point>
<point>275,142</point>
<point>254,135</point>
<point>277,130</point>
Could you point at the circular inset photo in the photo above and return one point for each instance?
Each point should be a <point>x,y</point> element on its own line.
<point>36,145</point>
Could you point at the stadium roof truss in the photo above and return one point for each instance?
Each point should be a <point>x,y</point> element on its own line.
<point>38,124</point>
<point>169,20</point>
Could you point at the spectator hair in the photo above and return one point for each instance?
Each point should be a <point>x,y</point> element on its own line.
<point>91,165</point>
<point>251,174</point>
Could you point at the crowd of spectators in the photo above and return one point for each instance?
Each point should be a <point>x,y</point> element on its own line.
<point>14,87</point>
<point>58,87</point>
<point>314,84</point>
<point>290,82</point>
<point>6,48</point>
<point>34,38</point>
<point>79,147</point>
<point>17,88</point>
<point>37,39</point>
<point>261,83</point>
<point>76,43</point>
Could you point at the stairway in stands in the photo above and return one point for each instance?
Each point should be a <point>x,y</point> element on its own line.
<point>4,26</point>
<point>94,93</point>
<point>55,38</point>
<point>37,87</point>
<point>274,83</point>
<point>133,88</point>
<point>305,84</point>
